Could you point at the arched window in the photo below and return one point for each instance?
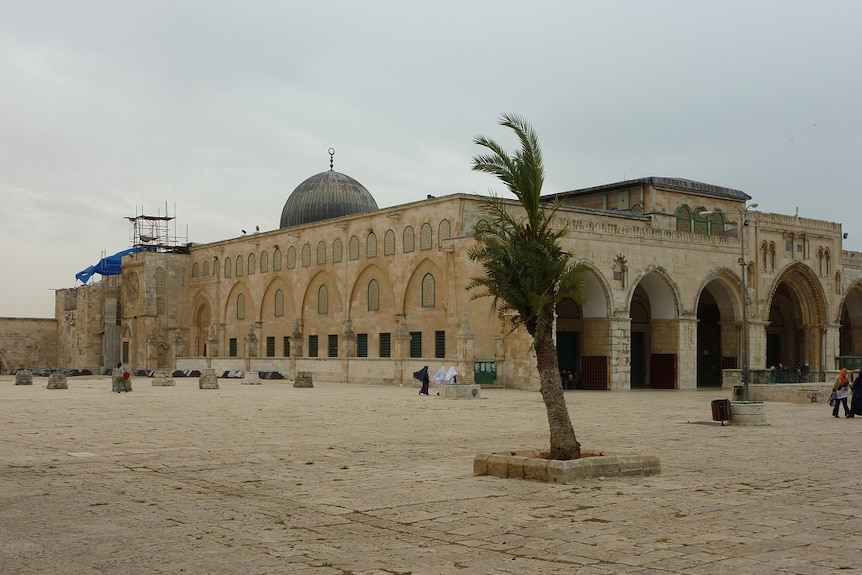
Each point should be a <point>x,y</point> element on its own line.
<point>323,300</point>
<point>701,224</point>
<point>425,237</point>
<point>353,249</point>
<point>238,266</point>
<point>264,262</point>
<point>291,258</point>
<point>228,264</point>
<point>206,269</point>
<point>240,306</point>
<point>371,245</point>
<point>683,218</point>
<point>389,243</point>
<point>337,251</point>
<point>408,240</point>
<point>444,232</point>
<point>276,260</point>
<point>252,264</point>
<point>715,223</point>
<point>195,270</point>
<point>279,303</point>
<point>373,295</point>
<point>428,295</point>
<point>321,253</point>
<point>306,255</point>
<point>216,268</point>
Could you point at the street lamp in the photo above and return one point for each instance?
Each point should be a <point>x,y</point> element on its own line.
<point>743,264</point>
<point>740,227</point>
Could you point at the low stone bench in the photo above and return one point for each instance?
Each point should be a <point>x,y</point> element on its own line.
<point>461,391</point>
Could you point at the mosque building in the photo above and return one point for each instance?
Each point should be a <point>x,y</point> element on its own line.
<point>677,272</point>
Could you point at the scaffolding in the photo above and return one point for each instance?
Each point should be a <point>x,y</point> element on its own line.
<point>157,233</point>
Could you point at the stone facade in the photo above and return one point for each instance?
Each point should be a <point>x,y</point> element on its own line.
<point>372,297</point>
<point>27,343</point>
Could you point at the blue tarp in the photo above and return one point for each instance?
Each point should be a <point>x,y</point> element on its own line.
<point>108,266</point>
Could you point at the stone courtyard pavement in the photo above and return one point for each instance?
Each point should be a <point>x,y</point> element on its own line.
<point>350,479</point>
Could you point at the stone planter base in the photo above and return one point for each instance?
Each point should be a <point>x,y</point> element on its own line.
<point>748,413</point>
<point>526,465</point>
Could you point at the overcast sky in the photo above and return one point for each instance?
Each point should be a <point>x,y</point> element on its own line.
<point>218,110</point>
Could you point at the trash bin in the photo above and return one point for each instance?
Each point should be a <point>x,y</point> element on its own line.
<point>721,410</point>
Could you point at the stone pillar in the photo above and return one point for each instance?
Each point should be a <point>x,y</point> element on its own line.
<point>295,346</point>
<point>212,346</point>
<point>687,350</point>
<point>23,377</point>
<point>347,349</point>
<point>400,347</point>
<point>57,381</point>
<point>464,351</point>
<point>620,351</point>
<point>756,345</point>
<point>152,352</point>
<point>251,342</point>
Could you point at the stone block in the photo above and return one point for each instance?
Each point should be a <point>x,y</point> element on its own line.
<point>536,469</point>
<point>303,379</point>
<point>497,465</point>
<point>57,381</point>
<point>23,377</point>
<point>251,378</point>
<point>461,391</point>
<point>480,464</point>
<point>208,381</point>
<point>515,467</point>
<point>163,378</point>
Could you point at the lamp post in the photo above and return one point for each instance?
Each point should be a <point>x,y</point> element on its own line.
<point>743,348</point>
<point>742,264</point>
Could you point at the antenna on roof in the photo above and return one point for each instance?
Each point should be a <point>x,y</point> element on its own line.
<point>331,155</point>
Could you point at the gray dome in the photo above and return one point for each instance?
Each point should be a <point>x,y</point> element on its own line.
<point>325,196</point>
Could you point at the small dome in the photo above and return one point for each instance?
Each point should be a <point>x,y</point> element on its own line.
<point>325,196</point>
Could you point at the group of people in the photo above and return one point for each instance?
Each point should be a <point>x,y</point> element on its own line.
<point>442,377</point>
<point>842,390</point>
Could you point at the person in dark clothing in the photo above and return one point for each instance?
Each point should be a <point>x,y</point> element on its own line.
<point>856,400</point>
<point>422,375</point>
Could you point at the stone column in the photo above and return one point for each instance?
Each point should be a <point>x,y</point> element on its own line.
<point>347,349</point>
<point>687,350</point>
<point>620,351</point>
<point>464,352</point>
<point>401,346</point>
<point>295,346</point>
<point>212,346</point>
<point>251,342</point>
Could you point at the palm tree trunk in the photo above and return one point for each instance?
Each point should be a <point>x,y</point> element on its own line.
<point>564,444</point>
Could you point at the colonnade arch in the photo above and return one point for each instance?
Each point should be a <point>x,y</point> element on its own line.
<point>794,329</point>
<point>655,331</point>
<point>850,338</point>
<point>719,327</point>
<point>583,333</point>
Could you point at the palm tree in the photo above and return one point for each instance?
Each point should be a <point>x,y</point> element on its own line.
<point>527,272</point>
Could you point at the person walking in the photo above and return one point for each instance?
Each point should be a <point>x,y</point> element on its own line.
<point>118,378</point>
<point>841,389</point>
